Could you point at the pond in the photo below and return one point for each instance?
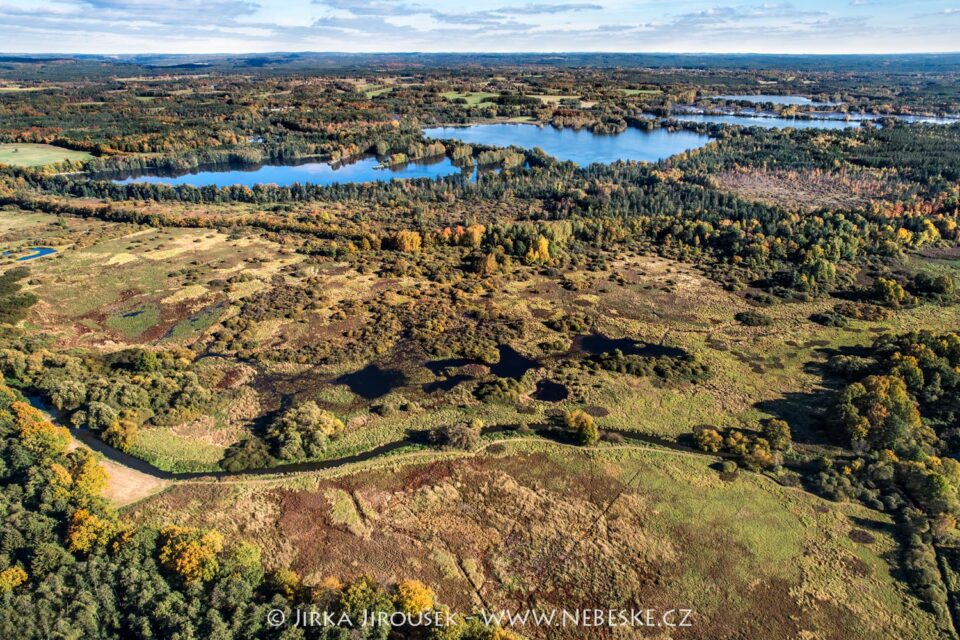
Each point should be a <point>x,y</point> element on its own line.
<point>577,145</point>
<point>366,169</point>
<point>595,344</point>
<point>550,391</point>
<point>372,382</point>
<point>38,252</point>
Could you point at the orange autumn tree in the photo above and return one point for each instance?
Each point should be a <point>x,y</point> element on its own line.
<point>192,554</point>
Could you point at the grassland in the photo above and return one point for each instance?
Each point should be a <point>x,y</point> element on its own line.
<point>16,88</point>
<point>126,283</point>
<point>473,98</point>
<point>37,155</point>
<point>573,528</point>
<point>373,92</point>
<point>112,285</point>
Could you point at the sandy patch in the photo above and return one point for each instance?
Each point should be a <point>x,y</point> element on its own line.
<point>121,258</point>
<point>186,293</point>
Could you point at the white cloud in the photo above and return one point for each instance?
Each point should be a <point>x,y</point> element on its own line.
<point>431,25</point>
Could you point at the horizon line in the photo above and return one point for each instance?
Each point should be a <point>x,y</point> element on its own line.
<point>485,53</point>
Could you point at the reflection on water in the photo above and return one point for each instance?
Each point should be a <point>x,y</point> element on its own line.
<point>816,121</point>
<point>366,169</point>
<point>581,146</point>
<point>763,98</point>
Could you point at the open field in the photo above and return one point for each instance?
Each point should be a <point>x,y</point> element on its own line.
<point>570,529</point>
<point>473,98</point>
<point>16,88</point>
<point>23,154</point>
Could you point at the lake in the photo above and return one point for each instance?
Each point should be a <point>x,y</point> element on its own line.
<point>581,146</point>
<point>767,122</point>
<point>822,121</point>
<point>322,173</point>
<point>763,98</point>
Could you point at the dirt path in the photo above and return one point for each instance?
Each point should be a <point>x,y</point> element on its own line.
<point>125,485</point>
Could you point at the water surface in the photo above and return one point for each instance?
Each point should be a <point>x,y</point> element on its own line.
<point>763,98</point>
<point>38,252</point>
<point>577,145</point>
<point>767,122</point>
<point>321,173</point>
<point>816,121</point>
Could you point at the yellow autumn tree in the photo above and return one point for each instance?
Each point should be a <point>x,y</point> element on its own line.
<point>287,582</point>
<point>87,531</point>
<point>121,434</point>
<point>414,597</point>
<point>37,434</point>
<point>89,477</point>
<point>61,481</point>
<point>538,252</point>
<point>473,235</point>
<point>191,553</point>
<point>11,578</point>
<point>407,241</point>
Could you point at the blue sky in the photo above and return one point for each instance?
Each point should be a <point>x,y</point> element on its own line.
<point>239,26</point>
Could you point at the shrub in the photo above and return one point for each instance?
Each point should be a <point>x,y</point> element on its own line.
<point>753,319</point>
<point>302,432</point>
<point>830,319</point>
<point>581,425</point>
<point>683,368</point>
<point>250,453</point>
<point>709,440</point>
<point>777,433</point>
<point>869,312</point>
<point>499,390</point>
<point>457,436</point>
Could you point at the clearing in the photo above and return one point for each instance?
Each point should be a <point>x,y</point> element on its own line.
<point>22,154</point>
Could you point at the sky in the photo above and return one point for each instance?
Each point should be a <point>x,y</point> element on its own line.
<point>251,26</point>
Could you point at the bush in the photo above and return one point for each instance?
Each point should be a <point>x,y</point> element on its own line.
<point>830,319</point>
<point>457,436</point>
<point>499,390</point>
<point>251,453</point>
<point>683,368</point>
<point>709,440</point>
<point>302,432</point>
<point>869,312</point>
<point>753,319</point>
<point>581,425</point>
<point>777,433</point>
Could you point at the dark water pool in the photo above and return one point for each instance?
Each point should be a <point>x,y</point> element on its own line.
<point>372,382</point>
